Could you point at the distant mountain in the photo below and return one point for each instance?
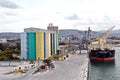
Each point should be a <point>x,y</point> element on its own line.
<point>75,33</point>
<point>10,35</point>
<point>70,32</point>
<point>113,31</point>
<point>79,33</point>
<point>116,31</point>
<point>65,33</point>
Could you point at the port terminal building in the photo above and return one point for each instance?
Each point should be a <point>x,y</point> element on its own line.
<point>39,44</point>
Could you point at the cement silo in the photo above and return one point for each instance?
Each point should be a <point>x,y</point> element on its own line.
<point>38,44</point>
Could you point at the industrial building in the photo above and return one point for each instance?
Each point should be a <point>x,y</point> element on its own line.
<point>39,44</point>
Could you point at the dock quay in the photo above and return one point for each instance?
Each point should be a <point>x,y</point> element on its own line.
<point>75,67</point>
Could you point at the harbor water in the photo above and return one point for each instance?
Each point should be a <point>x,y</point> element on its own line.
<point>105,70</point>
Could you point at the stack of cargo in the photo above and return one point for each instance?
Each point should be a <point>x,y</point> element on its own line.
<point>38,44</point>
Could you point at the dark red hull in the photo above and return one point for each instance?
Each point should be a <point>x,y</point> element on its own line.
<point>102,59</point>
<point>102,55</point>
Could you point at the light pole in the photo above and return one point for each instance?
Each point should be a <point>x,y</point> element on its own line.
<point>88,39</point>
<point>69,42</point>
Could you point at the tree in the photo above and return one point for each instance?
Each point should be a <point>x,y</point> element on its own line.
<point>1,47</point>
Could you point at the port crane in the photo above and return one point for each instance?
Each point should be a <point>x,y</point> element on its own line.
<point>99,41</point>
<point>102,40</point>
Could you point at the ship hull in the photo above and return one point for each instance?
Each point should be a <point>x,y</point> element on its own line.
<point>102,55</point>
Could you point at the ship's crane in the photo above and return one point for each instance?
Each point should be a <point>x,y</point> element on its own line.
<point>104,38</point>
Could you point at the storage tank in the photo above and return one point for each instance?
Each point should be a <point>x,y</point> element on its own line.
<point>24,52</point>
<point>39,45</point>
<point>31,45</point>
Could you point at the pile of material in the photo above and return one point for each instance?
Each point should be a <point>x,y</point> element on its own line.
<point>47,64</point>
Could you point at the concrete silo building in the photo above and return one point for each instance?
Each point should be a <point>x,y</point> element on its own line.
<point>39,44</point>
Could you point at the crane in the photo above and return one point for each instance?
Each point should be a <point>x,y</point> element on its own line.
<point>104,37</point>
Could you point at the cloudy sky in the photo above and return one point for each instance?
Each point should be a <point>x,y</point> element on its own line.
<point>15,15</point>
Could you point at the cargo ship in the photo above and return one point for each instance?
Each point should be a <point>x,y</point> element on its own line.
<point>100,50</point>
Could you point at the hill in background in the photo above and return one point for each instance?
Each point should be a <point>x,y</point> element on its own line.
<point>79,33</point>
<point>10,35</point>
<point>65,33</point>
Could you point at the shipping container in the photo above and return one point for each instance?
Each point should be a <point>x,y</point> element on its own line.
<point>24,52</point>
<point>31,46</point>
<point>39,45</point>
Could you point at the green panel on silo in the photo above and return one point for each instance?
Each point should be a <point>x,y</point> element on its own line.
<point>51,37</point>
<point>57,41</point>
<point>44,45</point>
<point>53,43</point>
<point>31,46</point>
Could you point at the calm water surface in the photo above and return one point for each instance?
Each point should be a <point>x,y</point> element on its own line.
<point>106,71</point>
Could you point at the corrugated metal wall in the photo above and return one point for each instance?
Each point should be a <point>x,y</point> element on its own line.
<point>44,45</point>
<point>31,46</point>
<point>24,46</point>
<point>51,43</point>
<point>39,45</point>
<point>57,43</point>
<point>47,45</point>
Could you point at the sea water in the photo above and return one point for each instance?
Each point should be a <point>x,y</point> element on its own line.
<point>105,70</point>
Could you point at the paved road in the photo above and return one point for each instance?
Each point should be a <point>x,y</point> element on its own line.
<point>73,68</point>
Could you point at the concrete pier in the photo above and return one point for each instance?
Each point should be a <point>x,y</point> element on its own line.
<point>75,67</point>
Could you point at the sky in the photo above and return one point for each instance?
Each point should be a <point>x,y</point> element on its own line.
<point>15,15</point>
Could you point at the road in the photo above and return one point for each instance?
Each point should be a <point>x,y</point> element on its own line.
<point>73,68</point>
